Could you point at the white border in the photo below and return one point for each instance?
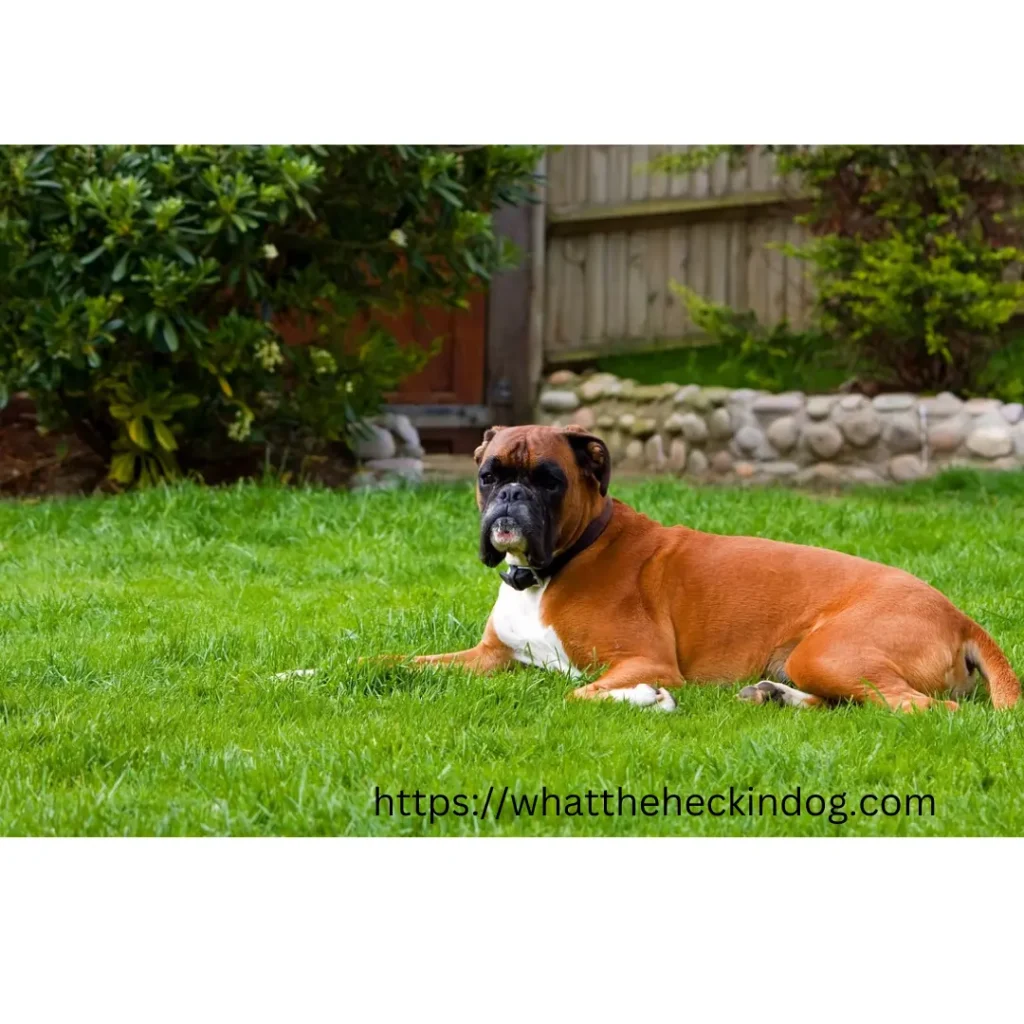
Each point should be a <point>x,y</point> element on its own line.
<point>558,72</point>
<point>594,930</point>
<point>501,929</point>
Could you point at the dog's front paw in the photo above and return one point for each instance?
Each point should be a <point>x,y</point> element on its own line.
<point>642,695</point>
<point>666,702</point>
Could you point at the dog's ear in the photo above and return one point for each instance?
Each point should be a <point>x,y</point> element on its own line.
<point>592,455</point>
<point>488,438</point>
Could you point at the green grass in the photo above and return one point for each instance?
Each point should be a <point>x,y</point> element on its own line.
<point>139,637</point>
<point>711,366</point>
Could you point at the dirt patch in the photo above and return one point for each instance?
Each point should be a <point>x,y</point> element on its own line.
<point>34,463</point>
<point>445,468</point>
<point>58,463</point>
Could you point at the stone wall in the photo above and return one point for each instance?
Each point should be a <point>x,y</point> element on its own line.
<point>714,433</point>
<point>389,452</point>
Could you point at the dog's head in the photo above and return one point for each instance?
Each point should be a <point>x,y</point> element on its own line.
<point>538,488</point>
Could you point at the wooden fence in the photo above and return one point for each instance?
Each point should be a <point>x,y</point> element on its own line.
<point>617,236</point>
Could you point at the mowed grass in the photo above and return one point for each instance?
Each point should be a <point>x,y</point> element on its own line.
<point>140,636</point>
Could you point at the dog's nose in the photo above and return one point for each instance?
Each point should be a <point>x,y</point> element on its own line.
<point>512,492</point>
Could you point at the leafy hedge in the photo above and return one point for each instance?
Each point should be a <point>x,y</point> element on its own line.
<point>143,288</point>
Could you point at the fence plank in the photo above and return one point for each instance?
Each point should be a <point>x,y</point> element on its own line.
<point>658,185</point>
<point>657,281</point>
<point>616,286</point>
<point>556,177</point>
<point>739,253</point>
<point>775,310</point>
<point>641,212</point>
<point>720,176</point>
<point>718,262</point>
<point>581,173</point>
<point>759,163</point>
<point>775,179</point>
<point>573,322</point>
<point>679,184</point>
<point>677,323</point>
<point>570,175</point>
<point>636,316</point>
<point>739,178</point>
<point>796,297</point>
<point>598,169</point>
<point>700,184</point>
<point>697,277</point>
<point>595,272</point>
<point>553,264</point>
<point>757,268</point>
<point>618,174</point>
<point>637,173</point>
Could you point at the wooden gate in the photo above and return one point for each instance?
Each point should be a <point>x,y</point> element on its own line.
<point>456,374</point>
<point>446,400</point>
<point>489,366</point>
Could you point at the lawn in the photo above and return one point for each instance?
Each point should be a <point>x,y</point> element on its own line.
<point>140,637</point>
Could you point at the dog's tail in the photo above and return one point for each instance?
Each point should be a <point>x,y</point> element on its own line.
<point>982,652</point>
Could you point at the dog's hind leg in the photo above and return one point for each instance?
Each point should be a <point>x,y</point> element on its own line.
<point>838,663</point>
<point>766,692</point>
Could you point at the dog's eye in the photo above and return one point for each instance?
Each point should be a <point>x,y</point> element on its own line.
<point>486,478</point>
<point>547,479</point>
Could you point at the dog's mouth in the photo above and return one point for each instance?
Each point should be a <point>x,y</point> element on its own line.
<point>507,536</point>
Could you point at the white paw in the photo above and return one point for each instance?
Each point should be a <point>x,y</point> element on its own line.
<point>644,696</point>
<point>298,673</point>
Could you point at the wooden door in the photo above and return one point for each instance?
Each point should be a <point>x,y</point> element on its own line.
<point>446,400</point>
<point>455,376</point>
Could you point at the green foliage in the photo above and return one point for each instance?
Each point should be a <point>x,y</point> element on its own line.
<point>695,158</point>
<point>915,253</point>
<point>143,288</point>
<point>754,355</point>
<point>1003,375</point>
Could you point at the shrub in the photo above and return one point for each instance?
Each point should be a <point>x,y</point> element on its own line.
<point>915,253</point>
<point>760,356</point>
<point>143,288</point>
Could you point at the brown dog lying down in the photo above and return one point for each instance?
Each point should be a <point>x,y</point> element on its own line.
<point>591,582</point>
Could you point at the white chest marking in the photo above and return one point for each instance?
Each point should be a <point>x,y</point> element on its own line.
<point>516,620</point>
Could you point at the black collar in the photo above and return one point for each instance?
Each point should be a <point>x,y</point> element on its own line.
<point>522,577</point>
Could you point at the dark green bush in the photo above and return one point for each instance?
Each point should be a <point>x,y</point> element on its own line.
<point>142,288</point>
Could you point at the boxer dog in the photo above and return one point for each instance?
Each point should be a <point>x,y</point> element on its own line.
<point>592,584</point>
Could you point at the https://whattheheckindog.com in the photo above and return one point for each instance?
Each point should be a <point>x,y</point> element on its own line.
<point>498,803</point>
